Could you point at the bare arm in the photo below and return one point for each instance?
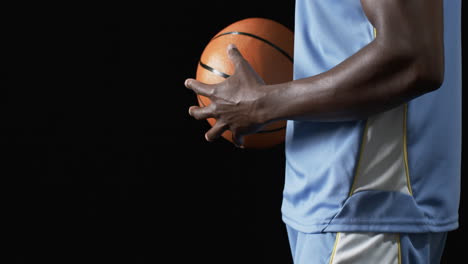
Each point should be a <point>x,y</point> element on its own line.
<point>404,61</point>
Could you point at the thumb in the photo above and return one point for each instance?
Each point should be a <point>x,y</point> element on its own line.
<point>238,60</point>
<point>234,54</point>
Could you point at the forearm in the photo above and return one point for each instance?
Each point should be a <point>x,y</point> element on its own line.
<point>371,81</point>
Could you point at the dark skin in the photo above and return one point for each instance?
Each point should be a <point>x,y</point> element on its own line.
<point>404,61</point>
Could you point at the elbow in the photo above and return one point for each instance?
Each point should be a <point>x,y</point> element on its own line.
<point>428,71</point>
<point>429,78</point>
<point>423,65</point>
<point>422,77</point>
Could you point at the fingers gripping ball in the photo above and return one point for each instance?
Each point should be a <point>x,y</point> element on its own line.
<point>268,46</point>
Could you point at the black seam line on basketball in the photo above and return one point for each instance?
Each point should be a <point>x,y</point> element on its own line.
<point>213,70</point>
<point>259,38</point>
<point>259,132</point>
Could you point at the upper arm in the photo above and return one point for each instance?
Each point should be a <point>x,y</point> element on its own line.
<point>411,28</point>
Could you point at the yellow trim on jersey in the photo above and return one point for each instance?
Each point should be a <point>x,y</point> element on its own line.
<point>337,238</point>
<point>399,247</point>
<point>405,149</point>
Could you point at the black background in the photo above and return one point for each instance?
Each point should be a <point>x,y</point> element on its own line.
<point>107,165</point>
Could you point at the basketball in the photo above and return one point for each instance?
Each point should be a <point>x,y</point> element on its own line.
<point>268,46</point>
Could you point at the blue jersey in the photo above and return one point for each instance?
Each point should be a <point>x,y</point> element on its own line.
<point>397,171</point>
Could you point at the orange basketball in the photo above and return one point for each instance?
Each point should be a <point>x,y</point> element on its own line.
<point>268,46</point>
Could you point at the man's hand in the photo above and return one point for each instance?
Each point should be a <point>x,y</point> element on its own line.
<point>234,102</point>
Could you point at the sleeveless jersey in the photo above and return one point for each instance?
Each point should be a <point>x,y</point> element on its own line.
<point>397,171</point>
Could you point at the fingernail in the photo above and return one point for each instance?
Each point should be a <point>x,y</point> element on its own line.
<point>231,46</point>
